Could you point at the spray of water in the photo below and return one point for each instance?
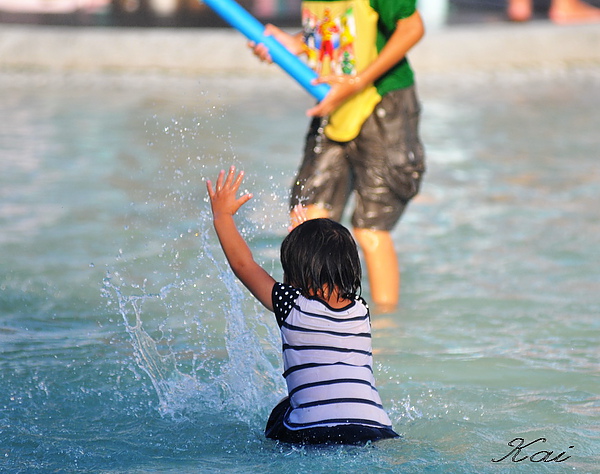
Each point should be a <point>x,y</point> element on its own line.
<point>234,353</point>
<point>242,381</point>
<point>172,386</point>
<point>230,361</point>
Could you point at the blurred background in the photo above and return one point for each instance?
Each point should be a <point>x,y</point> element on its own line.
<point>127,346</point>
<point>192,13</point>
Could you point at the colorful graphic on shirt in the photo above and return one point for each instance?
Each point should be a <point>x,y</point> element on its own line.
<point>329,41</point>
<point>340,38</point>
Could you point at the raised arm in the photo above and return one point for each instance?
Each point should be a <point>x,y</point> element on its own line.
<point>224,206</point>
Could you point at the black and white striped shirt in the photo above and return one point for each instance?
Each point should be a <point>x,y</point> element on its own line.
<point>327,361</point>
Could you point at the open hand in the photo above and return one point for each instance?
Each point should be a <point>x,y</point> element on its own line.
<point>223,197</point>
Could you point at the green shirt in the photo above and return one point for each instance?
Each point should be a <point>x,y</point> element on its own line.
<point>390,12</point>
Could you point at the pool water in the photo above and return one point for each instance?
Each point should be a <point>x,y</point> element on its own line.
<point>126,345</point>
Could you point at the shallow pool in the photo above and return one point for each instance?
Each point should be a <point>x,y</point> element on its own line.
<point>127,346</point>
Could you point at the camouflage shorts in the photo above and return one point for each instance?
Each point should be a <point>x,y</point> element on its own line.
<point>382,166</point>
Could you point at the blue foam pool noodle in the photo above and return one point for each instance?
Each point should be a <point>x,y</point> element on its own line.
<point>254,30</point>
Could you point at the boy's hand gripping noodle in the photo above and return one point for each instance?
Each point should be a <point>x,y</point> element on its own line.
<point>250,27</point>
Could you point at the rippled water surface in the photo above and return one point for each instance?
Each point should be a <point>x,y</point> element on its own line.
<point>127,346</point>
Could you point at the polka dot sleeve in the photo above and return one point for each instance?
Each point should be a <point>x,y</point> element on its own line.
<point>284,297</point>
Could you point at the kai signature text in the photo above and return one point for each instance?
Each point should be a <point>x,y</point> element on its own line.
<point>531,452</point>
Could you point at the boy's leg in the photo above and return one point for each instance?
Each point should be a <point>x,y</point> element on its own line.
<point>314,211</point>
<point>573,11</point>
<point>382,267</point>
<point>388,162</point>
<point>300,214</point>
<point>520,10</point>
<point>323,183</point>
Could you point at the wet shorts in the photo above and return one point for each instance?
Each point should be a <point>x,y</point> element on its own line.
<point>383,165</point>
<point>341,434</point>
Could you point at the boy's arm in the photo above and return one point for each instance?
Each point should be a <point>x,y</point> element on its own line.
<point>407,34</point>
<point>224,205</point>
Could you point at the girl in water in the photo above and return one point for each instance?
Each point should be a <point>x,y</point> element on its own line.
<point>324,322</point>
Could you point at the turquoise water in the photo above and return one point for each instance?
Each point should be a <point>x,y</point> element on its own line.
<point>127,346</point>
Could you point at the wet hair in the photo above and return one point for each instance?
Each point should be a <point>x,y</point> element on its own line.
<point>319,255</point>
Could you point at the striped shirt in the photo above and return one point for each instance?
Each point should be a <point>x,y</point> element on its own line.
<point>327,362</point>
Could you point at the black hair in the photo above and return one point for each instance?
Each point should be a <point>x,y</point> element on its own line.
<point>321,254</point>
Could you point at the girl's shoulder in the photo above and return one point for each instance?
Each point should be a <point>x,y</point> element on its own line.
<point>284,297</point>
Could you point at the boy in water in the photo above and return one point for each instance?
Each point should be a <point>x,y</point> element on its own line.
<point>324,323</point>
<point>363,138</point>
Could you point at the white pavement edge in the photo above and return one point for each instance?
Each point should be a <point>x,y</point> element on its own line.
<point>493,47</point>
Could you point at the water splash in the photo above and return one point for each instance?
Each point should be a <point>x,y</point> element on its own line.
<point>232,362</point>
<point>251,376</point>
<point>238,374</point>
<point>172,386</point>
